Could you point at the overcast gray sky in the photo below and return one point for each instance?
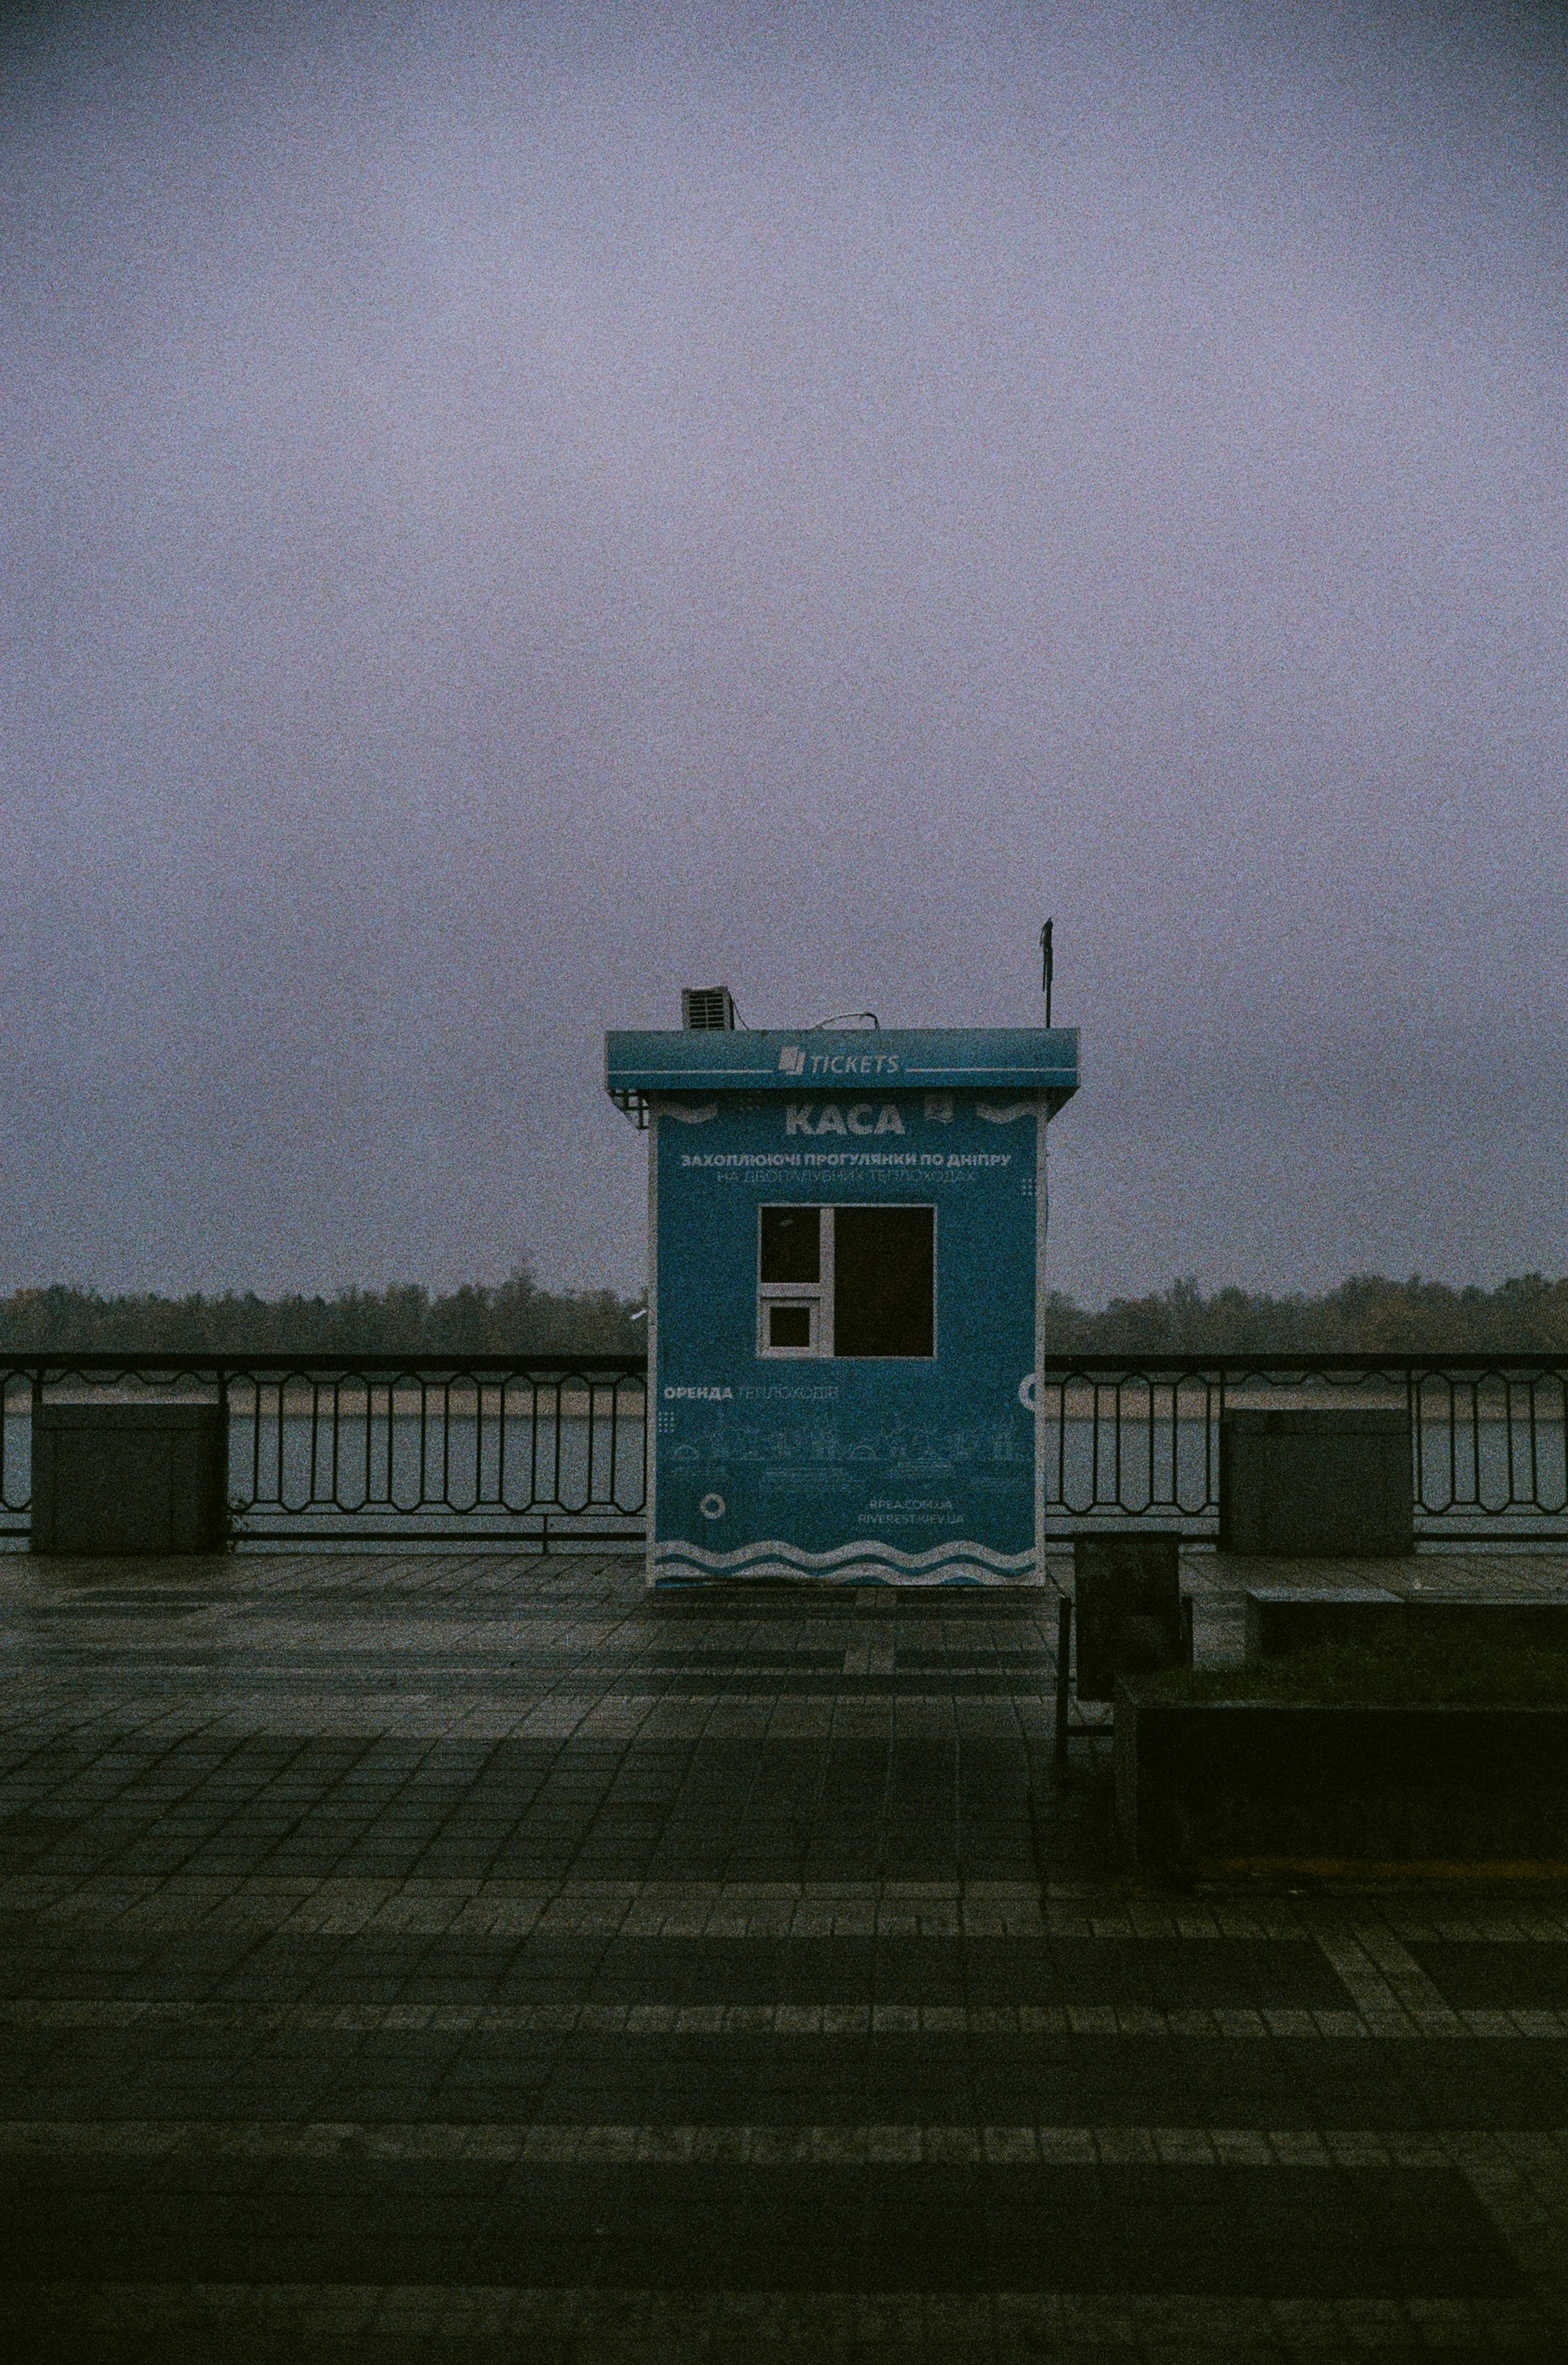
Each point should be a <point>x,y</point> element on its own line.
<point>508,510</point>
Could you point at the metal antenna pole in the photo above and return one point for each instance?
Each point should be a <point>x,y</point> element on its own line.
<point>1047,966</point>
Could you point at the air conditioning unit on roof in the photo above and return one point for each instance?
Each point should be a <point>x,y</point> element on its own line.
<point>708,1009</point>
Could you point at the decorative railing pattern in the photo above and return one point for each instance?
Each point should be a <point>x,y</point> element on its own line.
<point>543,1449</point>
<point>1139,1439</point>
<point>373,1448</point>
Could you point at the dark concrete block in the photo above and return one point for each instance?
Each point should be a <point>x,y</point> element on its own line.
<point>1226,1781</point>
<point>1128,1609</point>
<point>1518,1625</point>
<point>130,1478</point>
<point>1316,1484</point>
<point>1285,1618</point>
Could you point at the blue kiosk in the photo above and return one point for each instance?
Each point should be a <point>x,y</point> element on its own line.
<point>846,1241</point>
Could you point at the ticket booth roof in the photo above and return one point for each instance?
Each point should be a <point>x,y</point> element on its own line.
<point>1011,1060</point>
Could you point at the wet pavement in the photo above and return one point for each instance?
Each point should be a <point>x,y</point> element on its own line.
<point>428,1956</point>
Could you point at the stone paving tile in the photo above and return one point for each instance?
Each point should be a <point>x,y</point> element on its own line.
<point>571,2075</point>
<point>1511,1974</point>
<point>739,2222</point>
<point>466,1958</point>
<point>976,1974</point>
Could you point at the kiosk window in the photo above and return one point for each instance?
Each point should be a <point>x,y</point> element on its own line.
<point>883,1276</point>
<point>791,1244</point>
<point>846,1280</point>
<point>790,1325</point>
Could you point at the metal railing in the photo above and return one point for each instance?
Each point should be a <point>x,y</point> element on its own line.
<point>531,1450</point>
<point>540,1450</point>
<point>1138,1438</point>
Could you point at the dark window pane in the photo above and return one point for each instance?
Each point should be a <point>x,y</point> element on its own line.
<point>883,1269</point>
<point>789,1326</point>
<point>791,1244</point>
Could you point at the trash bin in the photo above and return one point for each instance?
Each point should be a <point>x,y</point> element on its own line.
<point>1131,1614</point>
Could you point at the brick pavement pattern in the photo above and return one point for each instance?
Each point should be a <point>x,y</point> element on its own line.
<point>447,1958</point>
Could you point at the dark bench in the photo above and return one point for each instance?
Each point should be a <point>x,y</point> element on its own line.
<point>1282,1618</point>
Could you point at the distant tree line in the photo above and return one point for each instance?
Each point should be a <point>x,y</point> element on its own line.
<point>516,1318</point>
<point>1365,1314</point>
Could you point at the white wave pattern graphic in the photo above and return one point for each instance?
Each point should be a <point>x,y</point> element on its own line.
<point>941,1563</point>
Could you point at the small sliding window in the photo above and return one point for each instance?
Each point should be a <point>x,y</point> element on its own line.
<point>794,1281</point>
<point>846,1282</point>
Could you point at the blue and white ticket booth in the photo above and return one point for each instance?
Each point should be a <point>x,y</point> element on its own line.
<point>846,1244</point>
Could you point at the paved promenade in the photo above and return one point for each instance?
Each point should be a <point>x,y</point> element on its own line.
<point>440,1958</point>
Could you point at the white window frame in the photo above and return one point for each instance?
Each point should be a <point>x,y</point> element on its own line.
<point>819,1293</point>
<point>765,1304</point>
